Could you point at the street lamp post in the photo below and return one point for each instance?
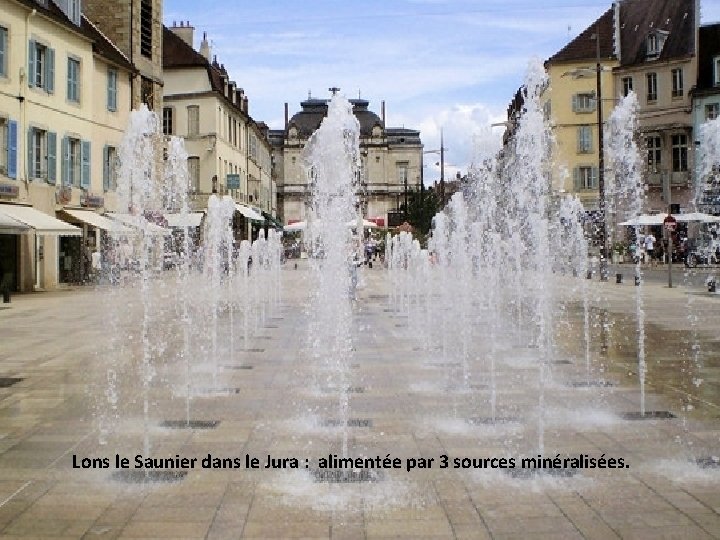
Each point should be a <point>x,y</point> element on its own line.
<point>440,151</point>
<point>601,163</point>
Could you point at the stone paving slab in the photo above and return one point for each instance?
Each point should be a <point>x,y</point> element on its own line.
<point>68,346</point>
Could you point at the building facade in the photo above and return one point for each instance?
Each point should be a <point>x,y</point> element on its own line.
<point>65,93</point>
<point>571,106</point>
<point>391,161</point>
<point>135,27</point>
<point>658,61</point>
<point>228,151</point>
<point>706,107</point>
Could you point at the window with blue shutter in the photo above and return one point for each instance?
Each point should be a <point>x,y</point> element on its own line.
<point>31,154</point>
<point>50,70</point>
<point>73,80</point>
<point>31,74</point>
<point>106,168</point>
<point>3,51</point>
<point>112,90</point>
<point>85,164</point>
<point>65,166</point>
<point>51,157</point>
<point>12,148</point>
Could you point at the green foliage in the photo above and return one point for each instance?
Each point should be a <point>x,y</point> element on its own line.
<point>422,207</point>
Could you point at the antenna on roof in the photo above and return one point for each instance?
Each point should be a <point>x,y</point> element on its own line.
<point>334,90</point>
<point>569,31</point>
<point>359,97</point>
<point>309,94</point>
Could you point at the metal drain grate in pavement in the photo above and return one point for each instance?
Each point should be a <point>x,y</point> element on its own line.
<point>251,350</point>
<point>712,462</point>
<point>7,382</point>
<point>241,366</point>
<point>341,476</point>
<point>134,476</point>
<point>192,424</point>
<point>352,422</point>
<point>591,384</point>
<point>649,415</point>
<point>489,420</point>
<point>529,474</point>
<point>561,362</point>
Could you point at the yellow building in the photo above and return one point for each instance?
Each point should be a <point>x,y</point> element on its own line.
<point>64,104</point>
<point>571,106</point>
<point>228,151</point>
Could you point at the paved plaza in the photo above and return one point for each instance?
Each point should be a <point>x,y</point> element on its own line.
<point>77,355</point>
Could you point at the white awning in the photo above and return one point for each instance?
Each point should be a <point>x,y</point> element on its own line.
<point>139,222</point>
<point>249,212</point>
<point>96,220</point>
<point>192,219</point>
<point>41,222</point>
<point>10,225</point>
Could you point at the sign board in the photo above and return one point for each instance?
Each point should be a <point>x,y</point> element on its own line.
<point>92,201</point>
<point>233,181</point>
<point>670,223</point>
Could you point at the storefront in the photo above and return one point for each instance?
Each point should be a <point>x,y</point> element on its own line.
<point>37,253</point>
<point>11,231</point>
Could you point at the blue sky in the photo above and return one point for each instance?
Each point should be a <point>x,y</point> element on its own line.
<point>437,63</point>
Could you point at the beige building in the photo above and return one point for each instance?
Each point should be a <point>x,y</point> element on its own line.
<point>391,161</point>
<point>64,104</point>
<point>571,106</point>
<point>135,27</point>
<point>228,151</point>
<point>658,61</point>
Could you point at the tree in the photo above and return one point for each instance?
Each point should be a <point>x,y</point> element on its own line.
<point>422,207</point>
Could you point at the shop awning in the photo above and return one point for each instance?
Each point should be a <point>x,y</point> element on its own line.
<point>273,220</point>
<point>192,219</point>
<point>140,223</point>
<point>10,225</point>
<point>96,220</point>
<point>42,223</point>
<point>249,212</point>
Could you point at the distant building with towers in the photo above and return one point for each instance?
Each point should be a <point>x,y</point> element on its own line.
<point>391,161</point>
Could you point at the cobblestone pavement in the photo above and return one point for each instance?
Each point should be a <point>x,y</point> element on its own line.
<point>72,389</point>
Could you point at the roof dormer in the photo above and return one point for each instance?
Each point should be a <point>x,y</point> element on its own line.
<point>655,42</point>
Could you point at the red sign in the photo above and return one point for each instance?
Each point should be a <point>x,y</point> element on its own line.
<point>670,223</point>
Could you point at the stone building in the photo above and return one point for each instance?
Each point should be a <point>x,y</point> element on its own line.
<point>659,62</point>
<point>391,161</point>
<point>135,27</point>
<point>64,105</point>
<point>228,151</point>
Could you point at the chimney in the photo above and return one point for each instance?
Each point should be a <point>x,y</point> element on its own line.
<point>245,105</point>
<point>382,112</point>
<point>205,47</point>
<point>184,32</point>
<point>286,116</point>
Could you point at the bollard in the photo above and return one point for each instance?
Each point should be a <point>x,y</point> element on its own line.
<point>6,296</point>
<point>637,281</point>
<point>712,285</point>
<point>589,274</point>
<point>295,266</point>
<point>618,278</point>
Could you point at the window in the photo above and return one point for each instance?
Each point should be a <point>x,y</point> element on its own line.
<point>167,119</point>
<point>716,69</point>
<point>680,152</point>
<point>651,87</point>
<point>76,162</point>
<point>654,152</point>
<point>194,173</point>
<point>586,178</point>
<point>41,155</point>
<point>584,139</point>
<point>147,92</point>
<point>41,67</point>
<point>402,173</point>
<point>109,168</point>
<point>627,83</point>
<point>146,28</point>
<point>712,111</point>
<point>193,113</point>
<point>584,103</point>
<point>652,45</point>
<point>73,80</point>
<point>3,51</point>
<point>112,90</point>
<point>73,11</point>
<point>8,141</point>
<point>547,110</point>
<point>677,82</point>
